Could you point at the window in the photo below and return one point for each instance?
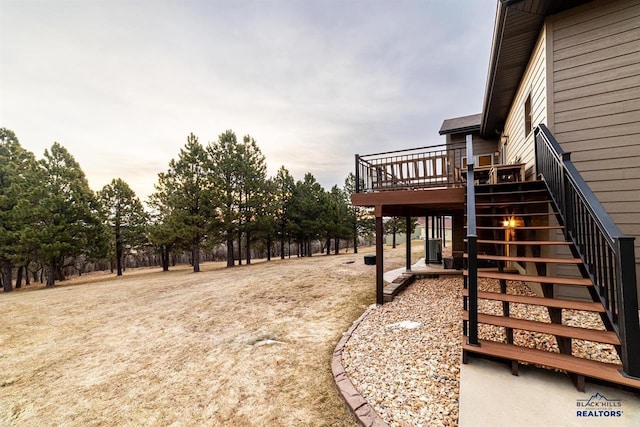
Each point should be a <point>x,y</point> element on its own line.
<point>485,160</point>
<point>527,116</point>
<point>480,160</point>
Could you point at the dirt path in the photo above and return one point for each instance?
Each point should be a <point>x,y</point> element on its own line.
<point>178,348</point>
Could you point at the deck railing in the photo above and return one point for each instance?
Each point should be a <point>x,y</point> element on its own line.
<point>425,167</point>
<point>607,253</point>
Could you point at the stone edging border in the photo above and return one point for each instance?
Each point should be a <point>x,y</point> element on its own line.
<point>359,407</point>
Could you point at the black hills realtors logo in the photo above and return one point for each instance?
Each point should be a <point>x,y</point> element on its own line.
<point>599,406</point>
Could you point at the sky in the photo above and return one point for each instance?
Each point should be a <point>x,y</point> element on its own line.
<point>121,84</point>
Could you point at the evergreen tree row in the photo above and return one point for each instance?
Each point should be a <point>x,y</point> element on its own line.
<point>211,198</point>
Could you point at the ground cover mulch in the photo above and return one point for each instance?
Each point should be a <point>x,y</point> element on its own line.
<point>404,357</point>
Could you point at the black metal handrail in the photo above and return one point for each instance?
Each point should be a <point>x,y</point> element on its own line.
<point>471,282</point>
<point>606,252</point>
<point>424,167</point>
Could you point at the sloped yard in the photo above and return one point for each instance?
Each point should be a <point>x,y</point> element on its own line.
<point>249,345</point>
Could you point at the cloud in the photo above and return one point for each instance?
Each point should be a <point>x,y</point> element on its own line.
<point>121,84</point>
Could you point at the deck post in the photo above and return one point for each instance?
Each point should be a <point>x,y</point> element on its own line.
<point>628,315</point>
<point>358,173</point>
<point>426,240</point>
<point>433,227</point>
<point>379,261</point>
<point>457,231</point>
<point>408,234</point>
<point>472,249</point>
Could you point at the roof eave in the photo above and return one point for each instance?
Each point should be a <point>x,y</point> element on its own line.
<point>466,129</point>
<point>501,14</point>
<point>523,18</point>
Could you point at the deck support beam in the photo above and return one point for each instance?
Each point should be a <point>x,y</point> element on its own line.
<point>408,234</point>
<point>426,240</point>
<point>379,261</point>
<point>457,234</point>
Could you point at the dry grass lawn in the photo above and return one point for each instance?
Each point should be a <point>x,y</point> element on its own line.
<point>178,348</point>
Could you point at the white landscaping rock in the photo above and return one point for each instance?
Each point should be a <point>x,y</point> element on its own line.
<point>405,324</point>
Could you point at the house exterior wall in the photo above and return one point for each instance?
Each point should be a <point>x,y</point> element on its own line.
<point>401,238</point>
<point>520,147</point>
<point>480,145</point>
<point>594,108</point>
<point>584,81</point>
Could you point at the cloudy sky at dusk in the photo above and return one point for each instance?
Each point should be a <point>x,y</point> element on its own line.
<point>122,83</point>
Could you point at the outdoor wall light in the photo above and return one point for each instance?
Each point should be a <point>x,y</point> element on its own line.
<point>513,222</point>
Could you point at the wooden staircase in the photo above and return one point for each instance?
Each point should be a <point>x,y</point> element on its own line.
<point>515,225</point>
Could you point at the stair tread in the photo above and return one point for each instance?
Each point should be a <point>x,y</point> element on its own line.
<point>606,337</point>
<point>526,227</point>
<point>525,242</point>
<point>532,184</point>
<point>545,302</point>
<point>509,203</point>
<point>512,193</point>
<point>536,279</point>
<point>528,259</point>
<point>502,214</point>
<point>603,371</point>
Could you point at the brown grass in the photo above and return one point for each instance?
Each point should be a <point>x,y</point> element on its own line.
<point>179,348</point>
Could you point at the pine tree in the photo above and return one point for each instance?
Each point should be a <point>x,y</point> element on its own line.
<point>339,218</point>
<point>355,212</point>
<point>163,234</point>
<point>126,218</point>
<point>252,177</point>
<point>397,225</point>
<point>69,224</point>
<point>282,198</point>
<point>306,213</point>
<point>185,193</point>
<point>226,162</point>
<point>18,193</point>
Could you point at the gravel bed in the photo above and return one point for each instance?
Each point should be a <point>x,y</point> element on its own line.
<point>405,356</point>
<point>411,375</point>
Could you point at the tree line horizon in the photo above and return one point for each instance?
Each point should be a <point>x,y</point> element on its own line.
<point>210,197</point>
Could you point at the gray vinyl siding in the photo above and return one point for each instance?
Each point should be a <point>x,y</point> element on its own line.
<point>520,147</point>
<point>480,146</point>
<point>596,103</point>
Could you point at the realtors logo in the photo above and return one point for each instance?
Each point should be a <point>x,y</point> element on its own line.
<point>599,406</point>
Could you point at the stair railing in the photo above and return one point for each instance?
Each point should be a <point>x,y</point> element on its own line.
<point>607,253</point>
<point>472,250</point>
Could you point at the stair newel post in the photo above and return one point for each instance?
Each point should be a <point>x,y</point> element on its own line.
<point>472,249</point>
<point>628,307</point>
<point>472,242</point>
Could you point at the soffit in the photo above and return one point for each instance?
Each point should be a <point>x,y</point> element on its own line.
<point>516,29</point>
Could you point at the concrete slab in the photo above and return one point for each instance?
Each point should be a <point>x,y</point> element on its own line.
<point>490,396</point>
<point>419,267</point>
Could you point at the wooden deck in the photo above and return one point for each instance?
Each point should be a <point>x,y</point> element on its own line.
<point>412,202</point>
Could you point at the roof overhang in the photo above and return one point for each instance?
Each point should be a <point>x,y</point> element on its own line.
<point>516,29</point>
<point>466,124</point>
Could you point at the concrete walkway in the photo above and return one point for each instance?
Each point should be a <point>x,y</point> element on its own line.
<point>490,396</point>
<point>419,266</point>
